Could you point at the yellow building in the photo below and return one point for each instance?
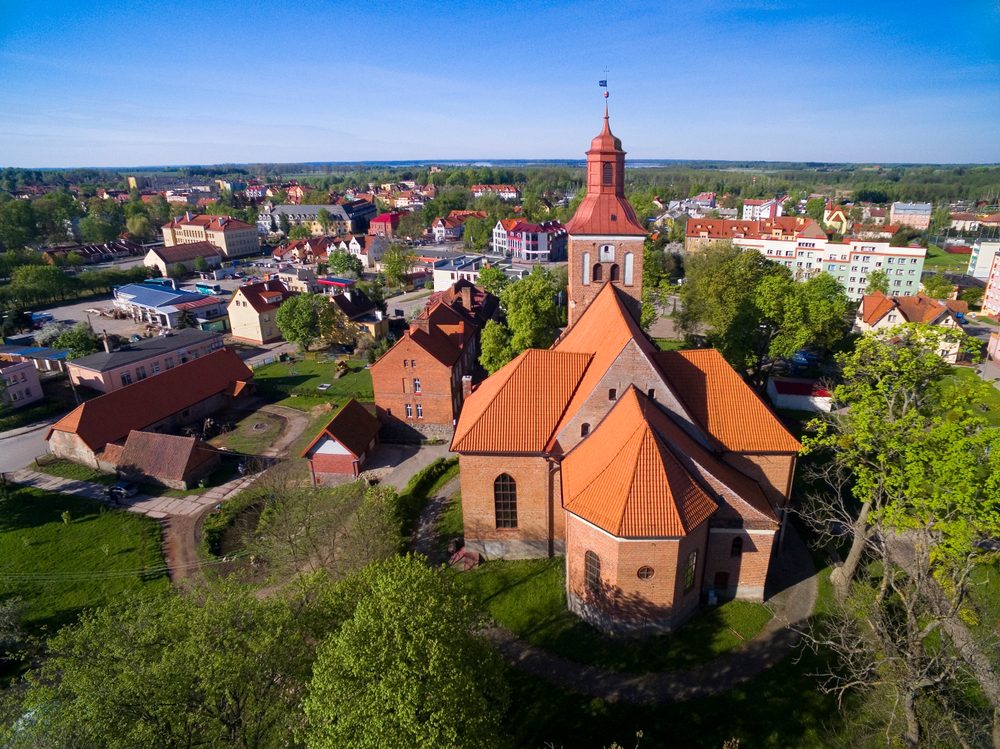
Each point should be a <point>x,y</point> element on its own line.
<point>234,238</point>
<point>253,311</point>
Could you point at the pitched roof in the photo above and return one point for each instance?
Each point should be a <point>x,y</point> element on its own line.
<point>607,214</point>
<point>263,296</point>
<point>163,456</point>
<point>131,353</point>
<point>516,409</point>
<point>723,404</point>
<point>353,426</point>
<point>182,253</point>
<point>916,308</point>
<point>625,479</point>
<point>354,303</point>
<point>110,417</point>
<point>208,222</point>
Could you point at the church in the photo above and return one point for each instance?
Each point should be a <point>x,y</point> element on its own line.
<point>661,477</point>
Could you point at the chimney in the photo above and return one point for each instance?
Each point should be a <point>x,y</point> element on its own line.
<point>187,215</point>
<point>467,297</point>
<point>106,341</point>
<point>421,323</point>
<point>466,386</point>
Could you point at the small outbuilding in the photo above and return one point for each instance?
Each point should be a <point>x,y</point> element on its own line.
<point>343,447</point>
<point>799,394</point>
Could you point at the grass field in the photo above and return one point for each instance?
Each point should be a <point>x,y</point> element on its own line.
<point>668,344</point>
<point>295,384</point>
<point>68,470</point>
<point>528,597</point>
<point>253,434</point>
<point>60,568</point>
<point>990,404</point>
<point>938,259</point>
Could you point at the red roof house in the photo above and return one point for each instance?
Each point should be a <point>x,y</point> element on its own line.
<point>344,445</point>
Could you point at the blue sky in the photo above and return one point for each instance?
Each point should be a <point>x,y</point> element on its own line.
<point>130,83</point>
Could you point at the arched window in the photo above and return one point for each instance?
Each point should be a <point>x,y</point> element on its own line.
<point>737,547</point>
<point>584,430</point>
<point>606,253</point>
<point>607,173</point>
<point>505,501</point>
<point>586,269</point>
<point>615,273</point>
<point>689,571</point>
<point>598,273</point>
<point>629,268</point>
<point>592,572</point>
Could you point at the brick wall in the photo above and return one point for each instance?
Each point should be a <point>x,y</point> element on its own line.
<point>581,294</point>
<point>536,508</point>
<point>747,571</point>
<point>394,387</point>
<point>331,467</point>
<point>628,603</point>
<point>772,472</point>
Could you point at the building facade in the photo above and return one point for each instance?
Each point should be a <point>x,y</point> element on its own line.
<point>253,311</point>
<point>914,215</point>
<point>233,238</point>
<point>21,383</point>
<point>981,259</point>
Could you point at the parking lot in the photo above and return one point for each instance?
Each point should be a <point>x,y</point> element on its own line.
<point>90,311</point>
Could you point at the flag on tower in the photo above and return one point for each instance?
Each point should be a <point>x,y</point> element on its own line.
<point>603,84</point>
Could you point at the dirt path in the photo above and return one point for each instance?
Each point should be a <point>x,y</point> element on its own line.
<point>182,534</point>
<point>425,539</point>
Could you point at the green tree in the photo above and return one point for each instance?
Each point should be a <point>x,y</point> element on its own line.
<point>299,231</point>
<point>406,668</point>
<point>18,226</point>
<point>396,263</point>
<point>938,286</point>
<point>31,284</point>
<point>495,347</point>
<point>973,296</point>
<point>477,233</point>
<point>325,219</point>
<point>79,340</point>
<point>298,319</point>
<point>200,264</point>
<point>411,224</point>
<point>178,270</point>
<point>815,208</point>
<point>139,228</point>
<point>878,280</point>
<point>343,263</point>
<point>493,280</point>
<point>941,219</point>
<point>755,313</point>
<point>531,310</point>
<point>224,668</point>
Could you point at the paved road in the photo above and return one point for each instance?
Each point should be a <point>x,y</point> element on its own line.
<point>19,447</point>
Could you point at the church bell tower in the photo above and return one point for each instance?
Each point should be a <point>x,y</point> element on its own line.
<point>605,237</point>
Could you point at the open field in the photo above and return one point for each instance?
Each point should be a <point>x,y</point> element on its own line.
<point>62,554</point>
<point>938,259</point>
<point>295,383</point>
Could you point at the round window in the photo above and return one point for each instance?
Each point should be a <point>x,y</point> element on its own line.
<point>645,573</point>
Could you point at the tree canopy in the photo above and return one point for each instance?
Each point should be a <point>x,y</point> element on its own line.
<point>406,668</point>
<point>532,318</point>
<point>306,318</point>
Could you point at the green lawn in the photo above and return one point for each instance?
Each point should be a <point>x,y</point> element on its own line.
<point>668,344</point>
<point>295,384</point>
<point>990,403</point>
<point>58,569</point>
<point>528,597</point>
<point>780,708</point>
<point>253,434</point>
<point>68,470</point>
<point>15,418</point>
<point>450,524</point>
<point>938,259</point>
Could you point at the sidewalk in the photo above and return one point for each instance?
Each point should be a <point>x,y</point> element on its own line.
<point>156,507</point>
<point>45,424</point>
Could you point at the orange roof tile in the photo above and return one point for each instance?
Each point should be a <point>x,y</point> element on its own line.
<point>625,479</point>
<point>516,409</point>
<point>110,417</point>
<point>163,456</point>
<point>723,404</point>
<point>916,308</point>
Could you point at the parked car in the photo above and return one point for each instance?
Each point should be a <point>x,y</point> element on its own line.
<point>122,490</point>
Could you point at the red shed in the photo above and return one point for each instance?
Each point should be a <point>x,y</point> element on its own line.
<point>343,446</point>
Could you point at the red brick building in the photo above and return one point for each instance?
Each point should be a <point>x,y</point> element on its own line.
<point>384,225</point>
<point>343,447</point>
<point>661,476</point>
<point>418,383</point>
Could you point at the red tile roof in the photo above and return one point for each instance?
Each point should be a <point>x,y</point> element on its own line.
<point>628,481</point>
<point>607,214</point>
<point>782,227</point>
<point>110,417</point>
<point>723,404</point>
<point>517,408</point>
<point>353,426</point>
<point>163,456</point>
<point>208,222</point>
<point>263,296</point>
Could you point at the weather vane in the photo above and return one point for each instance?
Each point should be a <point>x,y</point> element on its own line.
<point>603,83</point>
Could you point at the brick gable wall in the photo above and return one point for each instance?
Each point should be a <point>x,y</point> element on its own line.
<point>748,571</point>
<point>538,506</point>
<point>581,294</point>
<point>393,386</point>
